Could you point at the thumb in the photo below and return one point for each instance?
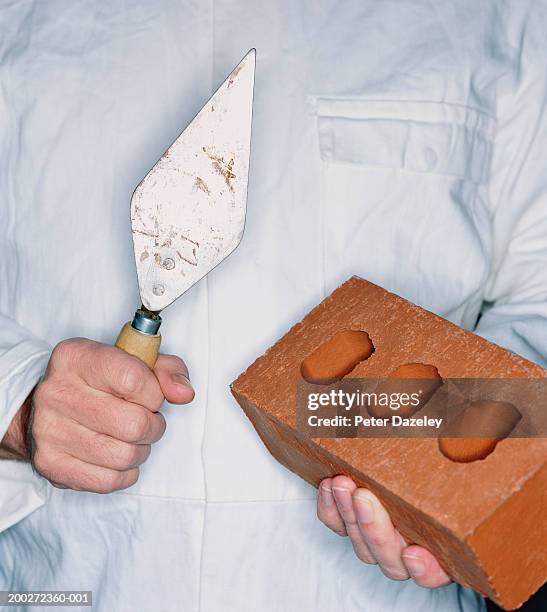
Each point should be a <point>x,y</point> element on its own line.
<point>172,374</point>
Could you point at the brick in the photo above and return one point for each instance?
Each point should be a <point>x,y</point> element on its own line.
<point>484,520</point>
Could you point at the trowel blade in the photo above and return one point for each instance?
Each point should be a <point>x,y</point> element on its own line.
<point>188,213</point>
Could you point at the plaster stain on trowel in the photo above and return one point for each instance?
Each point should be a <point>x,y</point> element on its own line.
<point>138,231</point>
<point>235,72</point>
<point>199,183</point>
<point>190,258</point>
<point>226,169</point>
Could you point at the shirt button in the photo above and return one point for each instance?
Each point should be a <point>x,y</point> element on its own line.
<point>430,158</point>
<point>420,157</point>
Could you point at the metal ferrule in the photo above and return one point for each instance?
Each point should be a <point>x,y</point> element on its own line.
<point>146,323</point>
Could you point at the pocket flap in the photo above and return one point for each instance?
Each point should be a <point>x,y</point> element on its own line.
<point>431,137</point>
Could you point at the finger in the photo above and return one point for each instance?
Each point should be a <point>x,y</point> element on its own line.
<point>424,568</point>
<point>105,414</point>
<point>342,488</point>
<point>383,540</point>
<point>172,375</point>
<point>67,471</point>
<point>113,371</point>
<point>327,511</point>
<point>100,449</point>
<point>57,485</point>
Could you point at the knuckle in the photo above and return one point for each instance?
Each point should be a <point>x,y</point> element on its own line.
<point>173,362</point>
<point>131,377</point>
<point>52,396</point>
<point>113,452</point>
<point>70,474</point>
<point>53,393</point>
<point>130,479</point>
<point>128,455</point>
<point>100,444</point>
<point>349,519</point>
<point>365,557</point>
<point>105,481</point>
<point>45,427</point>
<point>159,419</point>
<point>40,394</point>
<point>67,351</point>
<point>62,351</point>
<point>377,540</point>
<point>394,573</point>
<point>136,426</point>
<point>41,461</point>
<point>47,393</point>
<point>53,468</point>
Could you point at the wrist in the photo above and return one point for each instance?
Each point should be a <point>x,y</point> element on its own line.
<point>14,442</point>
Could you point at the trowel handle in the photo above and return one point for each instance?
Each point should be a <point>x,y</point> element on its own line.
<point>141,337</point>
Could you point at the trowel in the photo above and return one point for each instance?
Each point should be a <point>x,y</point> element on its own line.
<point>188,213</point>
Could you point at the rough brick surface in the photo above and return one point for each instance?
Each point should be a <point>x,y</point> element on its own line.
<point>484,520</point>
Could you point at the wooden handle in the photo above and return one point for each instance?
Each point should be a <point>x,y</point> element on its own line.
<point>143,346</point>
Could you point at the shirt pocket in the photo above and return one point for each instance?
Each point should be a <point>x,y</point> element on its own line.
<point>404,198</point>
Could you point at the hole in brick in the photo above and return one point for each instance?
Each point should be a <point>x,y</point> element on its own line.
<point>421,379</point>
<point>485,422</point>
<point>337,357</point>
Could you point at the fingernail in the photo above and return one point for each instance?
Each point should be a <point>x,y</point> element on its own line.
<point>363,507</point>
<point>414,565</point>
<point>343,498</point>
<point>180,379</point>
<point>326,496</point>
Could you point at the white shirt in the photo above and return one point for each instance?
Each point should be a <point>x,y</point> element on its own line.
<point>400,141</point>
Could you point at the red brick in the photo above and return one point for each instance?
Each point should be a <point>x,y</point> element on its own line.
<point>484,520</point>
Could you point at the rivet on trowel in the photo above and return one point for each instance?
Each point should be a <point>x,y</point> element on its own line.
<point>158,290</point>
<point>168,263</point>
